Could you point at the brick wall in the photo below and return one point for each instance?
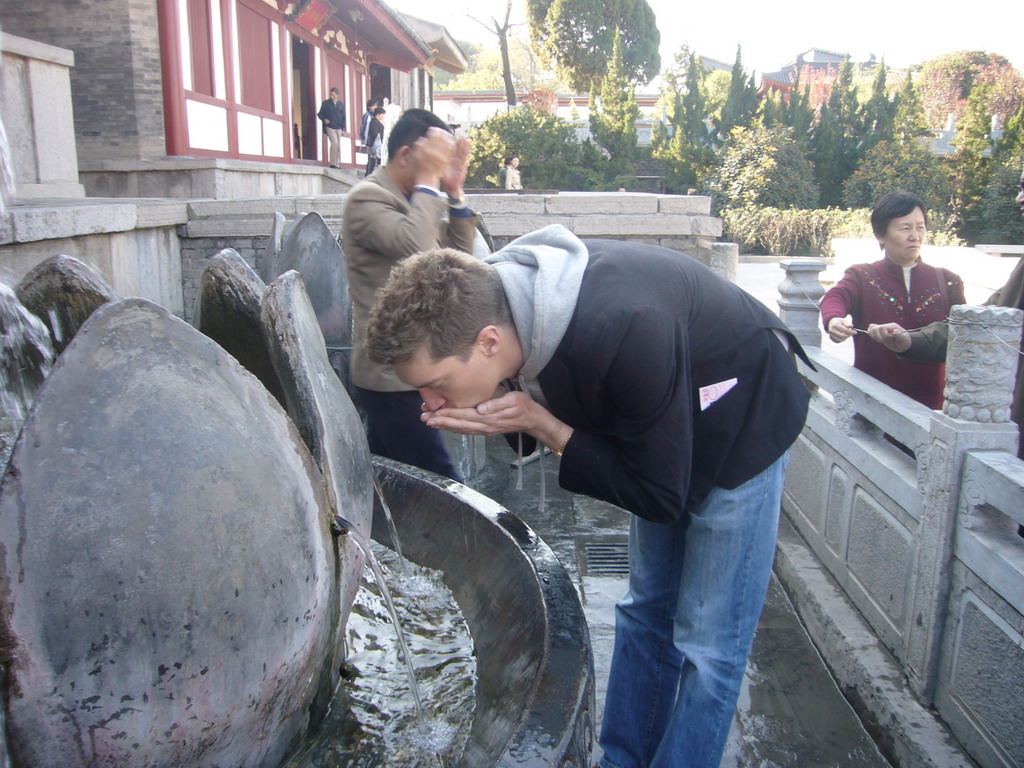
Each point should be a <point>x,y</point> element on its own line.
<point>116,87</point>
<point>196,253</point>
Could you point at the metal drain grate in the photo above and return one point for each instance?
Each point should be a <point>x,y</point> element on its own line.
<point>604,557</point>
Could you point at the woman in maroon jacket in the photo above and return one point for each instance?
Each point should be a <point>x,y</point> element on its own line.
<point>899,288</point>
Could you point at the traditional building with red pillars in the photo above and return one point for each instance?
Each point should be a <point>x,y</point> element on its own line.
<point>225,83</point>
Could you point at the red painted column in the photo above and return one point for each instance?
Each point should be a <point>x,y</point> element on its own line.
<point>175,123</point>
<point>228,36</point>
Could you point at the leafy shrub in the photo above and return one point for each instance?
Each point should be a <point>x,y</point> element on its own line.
<point>763,167</point>
<point>892,166</point>
<point>809,232</point>
<point>792,231</point>
<point>1003,223</point>
<point>551,155</point>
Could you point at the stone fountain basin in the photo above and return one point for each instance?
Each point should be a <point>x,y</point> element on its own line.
<point>535,669</point>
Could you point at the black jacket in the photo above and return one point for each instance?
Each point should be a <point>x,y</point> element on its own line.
<point>332,113</point>
<point>376,129</point>
<point>650,329</point>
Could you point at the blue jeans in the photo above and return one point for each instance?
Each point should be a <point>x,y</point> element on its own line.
<point>684,629</point>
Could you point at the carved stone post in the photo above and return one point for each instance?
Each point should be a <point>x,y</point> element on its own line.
<point>725,258</point>
<point>981,361</point>
<point>800,293</point>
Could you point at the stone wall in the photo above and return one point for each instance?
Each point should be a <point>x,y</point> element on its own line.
<point>159,249</point>
<point>117,64</point>
<point>683,223</point>
<point>135,245</point>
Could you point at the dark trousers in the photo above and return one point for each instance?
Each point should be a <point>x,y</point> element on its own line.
<point>394,430</point>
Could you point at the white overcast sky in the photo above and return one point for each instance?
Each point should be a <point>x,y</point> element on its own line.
<point>772,32</point>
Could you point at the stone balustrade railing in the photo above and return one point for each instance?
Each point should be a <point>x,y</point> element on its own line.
<point>915,514</point>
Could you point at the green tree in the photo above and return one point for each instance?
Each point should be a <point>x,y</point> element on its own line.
<point>552,156</point>
<point>878,113</point>
<point>835,141</point>
<point>613,124</point>
<point>909,122</point>
<point>1012,141</point>
<point>715,89</point>
<point>763,166</point>
<point>442,79</point>
<point>485,70</point>
<point>689,152</point>
<point>968,166</point>
<point>893,165</point>
<point>576,36</point>
<point>1001,219</point>
<point>741,104</point>
<point>797,112</point>
<point>772,107</point>
<point>945,84</point>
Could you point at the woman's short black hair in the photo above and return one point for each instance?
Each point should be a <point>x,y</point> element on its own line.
<point>893,206</point>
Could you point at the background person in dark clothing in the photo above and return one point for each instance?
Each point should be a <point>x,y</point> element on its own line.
<point>375,139</point>
<point>332,115</point>
<point>364,125</point>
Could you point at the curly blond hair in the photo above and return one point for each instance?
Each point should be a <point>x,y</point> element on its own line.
<point>441,299</point>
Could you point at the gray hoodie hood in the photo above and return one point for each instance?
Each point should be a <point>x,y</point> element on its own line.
<point>541,273</point>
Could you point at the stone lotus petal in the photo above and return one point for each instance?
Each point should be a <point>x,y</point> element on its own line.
<point>165,558</point>
<point>63,291</point>
<point>328,422</point>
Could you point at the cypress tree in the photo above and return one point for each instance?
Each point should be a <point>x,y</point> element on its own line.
<point>878,113</point>
<point>614,124</point>
<point>835,142</point>
<point>797,114</point>
<point>741,104</point>
<point>909,122</point>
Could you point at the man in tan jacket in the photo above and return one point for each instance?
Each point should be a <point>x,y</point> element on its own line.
<point>412,204</point>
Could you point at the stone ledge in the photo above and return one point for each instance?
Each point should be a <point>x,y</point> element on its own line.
<point>34,223</point>
<point>1001,250</point>
<point>230,227</point>
<point>691,204</point>
<point>162,214</point>
<point>607,203</point>
<point>33,49</point>
<point>328,206</point>
<point>908,733</point>
<point>119,165</point>
<point>238,209</point>
<point>25,191</point>
<point>507,204</point>
<point>516,226</point>
<point>652,225</point>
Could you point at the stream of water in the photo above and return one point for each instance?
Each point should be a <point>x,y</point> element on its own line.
<point>373,720</point>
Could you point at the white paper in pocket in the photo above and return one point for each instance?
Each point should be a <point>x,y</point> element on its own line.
<point>713,392</point>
